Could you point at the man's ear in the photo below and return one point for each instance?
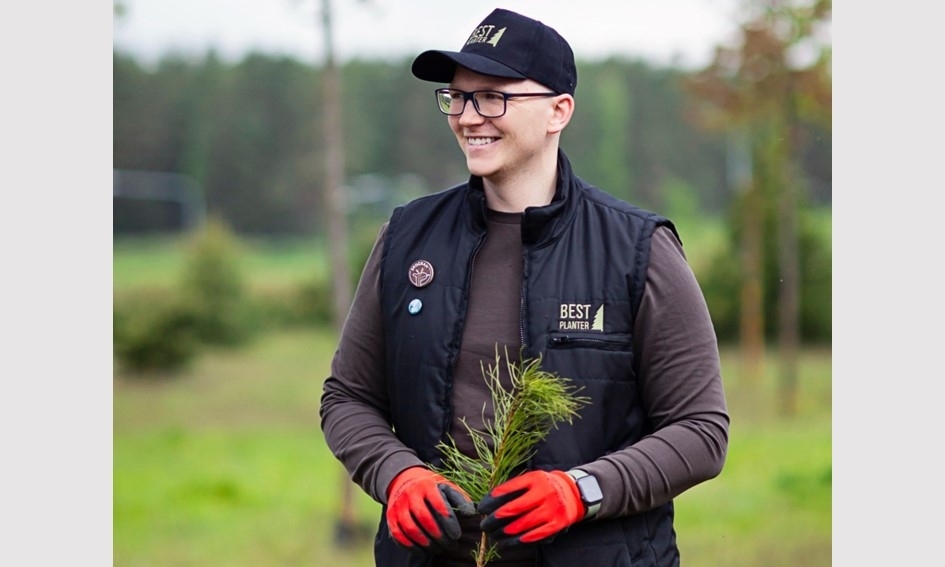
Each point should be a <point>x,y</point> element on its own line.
<point>563,109</point>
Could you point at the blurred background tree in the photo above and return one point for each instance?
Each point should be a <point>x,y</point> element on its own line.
<point>773,93</point>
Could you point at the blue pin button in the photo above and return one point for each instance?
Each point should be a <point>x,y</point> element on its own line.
<point>415,306</point>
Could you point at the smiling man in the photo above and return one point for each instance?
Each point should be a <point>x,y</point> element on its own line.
<point>525,258</point>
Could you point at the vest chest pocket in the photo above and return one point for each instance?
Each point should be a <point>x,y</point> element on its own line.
<point>591,340</point>
<point>592,356</point>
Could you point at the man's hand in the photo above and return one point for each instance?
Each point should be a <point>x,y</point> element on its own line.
<point>420,510</point>
<point>531,507</point>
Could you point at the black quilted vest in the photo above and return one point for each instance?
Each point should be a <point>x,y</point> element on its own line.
<point>584,271</point>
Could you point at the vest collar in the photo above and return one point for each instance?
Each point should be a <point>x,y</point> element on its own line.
<point>540,225</point>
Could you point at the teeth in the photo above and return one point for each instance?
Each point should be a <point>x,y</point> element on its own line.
<point>480,141</point>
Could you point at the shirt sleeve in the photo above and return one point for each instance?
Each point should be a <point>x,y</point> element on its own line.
<point>354,406</point>
<point>681,388</point>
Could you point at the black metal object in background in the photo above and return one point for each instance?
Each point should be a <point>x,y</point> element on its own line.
<point>152,202</point>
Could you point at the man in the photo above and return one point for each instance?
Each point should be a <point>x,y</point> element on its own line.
<point>528,258</point>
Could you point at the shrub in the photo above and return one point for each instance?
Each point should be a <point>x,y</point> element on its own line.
<point>314,302</point>
<point>302,305</point>
<point>214,288</point>
<point>153,332</point>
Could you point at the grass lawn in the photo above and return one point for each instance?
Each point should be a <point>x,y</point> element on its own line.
<point>226,465</point>
<point>158,262</point>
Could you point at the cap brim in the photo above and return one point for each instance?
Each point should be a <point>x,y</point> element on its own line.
<point>439,66</point>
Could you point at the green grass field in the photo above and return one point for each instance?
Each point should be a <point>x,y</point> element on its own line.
<point>226,465</point>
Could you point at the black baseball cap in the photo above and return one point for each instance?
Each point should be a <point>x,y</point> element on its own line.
<point>506,44</point>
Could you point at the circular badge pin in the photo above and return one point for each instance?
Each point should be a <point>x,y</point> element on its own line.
<point>420,273</point>
<point>415,306</point>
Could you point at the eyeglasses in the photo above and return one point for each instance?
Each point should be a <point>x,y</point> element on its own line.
<point>489,104</point>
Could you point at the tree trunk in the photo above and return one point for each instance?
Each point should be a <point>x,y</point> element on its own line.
<point>336,221</point>
<point>751,330</point>
<point>790,278</point>
<point>788,302</point>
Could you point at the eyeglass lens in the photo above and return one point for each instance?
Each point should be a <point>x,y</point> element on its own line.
<point>490,104</point>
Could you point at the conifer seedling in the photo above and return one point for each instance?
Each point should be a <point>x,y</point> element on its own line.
<point>524,415</point>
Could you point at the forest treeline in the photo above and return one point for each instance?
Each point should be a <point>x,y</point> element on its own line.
<point>249,134</point>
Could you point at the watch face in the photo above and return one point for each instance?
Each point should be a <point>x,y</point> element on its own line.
<point>590,490</point>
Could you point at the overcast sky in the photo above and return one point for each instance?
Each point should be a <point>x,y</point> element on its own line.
<point>681,32</point>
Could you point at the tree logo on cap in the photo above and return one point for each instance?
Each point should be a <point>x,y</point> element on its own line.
<point>495,39</point>
<point>482,35</point>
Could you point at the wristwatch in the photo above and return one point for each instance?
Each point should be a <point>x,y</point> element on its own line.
<point>591,494</point>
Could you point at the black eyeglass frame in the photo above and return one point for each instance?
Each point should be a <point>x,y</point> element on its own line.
<point>471,96</point>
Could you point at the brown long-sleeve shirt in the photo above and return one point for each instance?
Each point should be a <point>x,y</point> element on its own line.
<point>679,373</point>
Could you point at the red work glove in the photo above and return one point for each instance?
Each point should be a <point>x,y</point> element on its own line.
<point>420,506</point>
<point>531,507</point>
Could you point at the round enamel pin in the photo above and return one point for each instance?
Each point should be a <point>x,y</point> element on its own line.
<point>420,273</point>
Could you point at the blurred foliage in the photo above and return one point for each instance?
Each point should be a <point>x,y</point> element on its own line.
<point>213,286</point>
<point>773,104</point>
<point>301,304</point>
<point>160,329</point>
<point>153,333</point>
<point>248,134</point>
<point>721,279</point>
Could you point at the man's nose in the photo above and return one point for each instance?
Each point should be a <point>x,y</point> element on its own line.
<point>470,115</point>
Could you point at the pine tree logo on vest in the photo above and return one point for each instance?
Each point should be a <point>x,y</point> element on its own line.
<point>577,317</point>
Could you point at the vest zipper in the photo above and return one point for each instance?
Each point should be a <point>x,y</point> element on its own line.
<point>603,341</point>
<point>521,301</point>
<point>459,341</point>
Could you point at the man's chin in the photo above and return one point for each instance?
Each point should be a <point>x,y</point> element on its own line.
<point>479,167</point>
